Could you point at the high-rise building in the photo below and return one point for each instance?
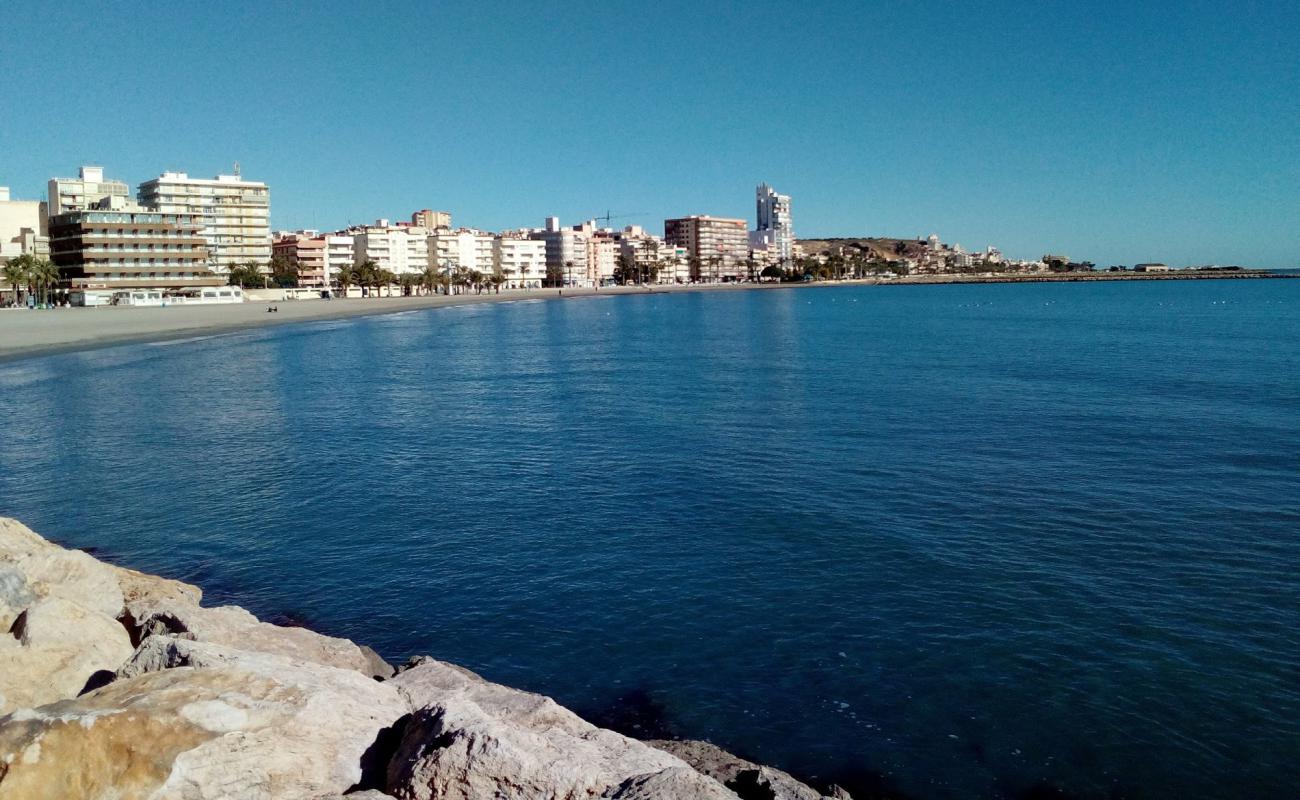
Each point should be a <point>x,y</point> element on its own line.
<point>23,227</point>
<point>431,220</point>
<point>87,190</point>
<point>235,214</point>
<point>106,250</point>
<point>774,219</point>
<point>716,247</point>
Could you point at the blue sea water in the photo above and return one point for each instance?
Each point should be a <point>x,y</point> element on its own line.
<point>939,541</point>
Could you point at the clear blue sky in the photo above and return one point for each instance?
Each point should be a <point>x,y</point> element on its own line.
<point>1114,131</point>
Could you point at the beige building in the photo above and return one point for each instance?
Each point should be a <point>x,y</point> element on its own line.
<point>431,220</point>
<point>87,190</point>
<point>716,247</point>
<point>305,250</point>
<point>236,214</point>
<point>22,227</point>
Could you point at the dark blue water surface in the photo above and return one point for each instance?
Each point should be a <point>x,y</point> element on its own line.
<point>955,541</point>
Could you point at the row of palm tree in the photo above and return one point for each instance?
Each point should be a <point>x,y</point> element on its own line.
<point>36,276</point>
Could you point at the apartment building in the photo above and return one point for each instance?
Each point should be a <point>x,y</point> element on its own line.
<point>400,249</point>
<point>716,247</point>
<point>235,214</point>
<point>87,190</point>
<point>522,262</point>
<point>566,252</point>
<point>431,220</point>
<point>340,252</point>
<point>466,249</point>
<point>23,227</point>
<point>305,250</point>
<point>125,246</point>
<point>652,256</point>
<point>774,224</point>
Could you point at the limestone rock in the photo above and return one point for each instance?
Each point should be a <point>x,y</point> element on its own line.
<point>51,570</point>
<point>368,794</point>
<point>469,738</point>
<point>745,778</point>
<point>56,648</point>
<point>677,783</point>
<point>233,724</point>
<point>15,594</point>
<point>235,627</point>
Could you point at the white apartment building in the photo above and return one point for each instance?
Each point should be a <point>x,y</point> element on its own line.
<point>774,219</point>
<point>602,259</point>
<point>521,261</point>
<point>340,252</point>
<point>566,252</point>
<point>236,214</point>
<point>401,250</point>
<point>23,227</point>
<point>86,191</point>
<point>467,249</point>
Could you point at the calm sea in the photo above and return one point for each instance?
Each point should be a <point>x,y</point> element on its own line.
<point>945,541</point>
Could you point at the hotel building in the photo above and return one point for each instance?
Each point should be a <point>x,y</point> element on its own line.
<point>235,214</point>
<point>124,246</point>
<point>716,247</point>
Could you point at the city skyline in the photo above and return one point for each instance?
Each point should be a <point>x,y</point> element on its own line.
<point>1146,138</point>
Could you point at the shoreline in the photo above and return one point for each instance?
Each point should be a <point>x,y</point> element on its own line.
<point>25,334</point>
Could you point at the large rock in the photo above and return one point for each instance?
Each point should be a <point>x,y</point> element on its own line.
<point>49,570</point>
<point>235,627</point>
<point>57,648</point>
<point>231,724</point>
<point>748,780</point>
<point>677,783</point>
<point>469,738</point>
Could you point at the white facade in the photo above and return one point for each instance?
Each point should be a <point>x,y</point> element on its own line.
<point>402,251</point>
<point>649,252</point>
<point>339,253</point>
<point>22,227</point>
<point>236,214</point>
<point>566,252</point>
<point>521,261</point>
<point>471,250</point>
<point>86,191</point>
<point>774,220</point>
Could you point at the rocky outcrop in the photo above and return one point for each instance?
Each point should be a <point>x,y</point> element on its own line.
<point>117,684</point>
<point>748,780</point>
<point>247,725</point>
<point>469,738</point>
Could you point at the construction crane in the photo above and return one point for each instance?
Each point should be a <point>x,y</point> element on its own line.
<point>608,216</point>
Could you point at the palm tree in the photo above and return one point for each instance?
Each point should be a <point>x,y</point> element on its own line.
<point>715,265</point>
<point>17,273</point>
<point>346,276</point>
<point>44,276</point>
<point>430,279</point>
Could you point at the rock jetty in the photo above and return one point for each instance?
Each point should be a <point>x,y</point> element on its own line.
<point>117,684</point>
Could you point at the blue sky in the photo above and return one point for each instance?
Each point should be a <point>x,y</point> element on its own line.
<point>1117,132</point>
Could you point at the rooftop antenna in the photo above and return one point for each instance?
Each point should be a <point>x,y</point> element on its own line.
<point>236,169</point>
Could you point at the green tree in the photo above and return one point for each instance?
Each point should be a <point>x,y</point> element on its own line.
<point>430,279</point>
<point>346,276</point>
<point>284,272</point>
<point>17,273</point>
<point>43,276</point>
<point>625,269</point>
<point>246,275</point>
<point>772,271</point>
